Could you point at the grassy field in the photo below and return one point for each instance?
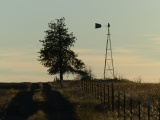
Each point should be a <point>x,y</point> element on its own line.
<point>47,101</point>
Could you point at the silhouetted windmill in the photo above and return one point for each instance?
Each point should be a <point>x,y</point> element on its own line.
<point>108,66</point>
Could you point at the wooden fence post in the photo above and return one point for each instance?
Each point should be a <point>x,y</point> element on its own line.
<point>101,93</point>
<point>139,108</point>
<point>149,107</point>
<point>108,97</point>
<point>159,107</point>
<point>104,94</point>
<point>95,90</point>
<point>118,103</point>
<point>86,85</point>
<point>124,104</point>
<point>159,112</point>
<point>131,107</point>
<point>92,87</point>
<point>112,97</point>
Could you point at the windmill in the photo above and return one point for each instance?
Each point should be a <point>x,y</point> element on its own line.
<point>108,66</point>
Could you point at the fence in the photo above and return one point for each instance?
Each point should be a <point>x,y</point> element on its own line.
<point>125,106</point>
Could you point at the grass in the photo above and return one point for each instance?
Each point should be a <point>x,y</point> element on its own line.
<point>40,115</point>
<point>86,107</point>
<point>144,90</point>
<point>5,98</point>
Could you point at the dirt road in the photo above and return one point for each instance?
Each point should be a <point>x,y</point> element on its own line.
<point>40,103</point>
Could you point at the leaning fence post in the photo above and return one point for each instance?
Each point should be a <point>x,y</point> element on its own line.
<point>139,108</point>
<point>131,107</point>
<point>112,97</point>
<point>124,103</point>
<point>149,107</point>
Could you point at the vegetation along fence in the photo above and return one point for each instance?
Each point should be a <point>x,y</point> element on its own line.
<point>125,106</point>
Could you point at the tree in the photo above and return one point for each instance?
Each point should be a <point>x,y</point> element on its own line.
<point>56,54</point>
<point>86,74</point>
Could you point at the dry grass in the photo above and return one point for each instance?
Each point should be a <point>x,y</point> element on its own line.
<point>40,115</point>
<point>144,90</point>
<point>86,105</point>
<point>6,96</point>
<point>87,108</point>
<point>39,96</point>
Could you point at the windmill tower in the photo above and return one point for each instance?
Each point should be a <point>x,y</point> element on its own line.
<point>108,66</point>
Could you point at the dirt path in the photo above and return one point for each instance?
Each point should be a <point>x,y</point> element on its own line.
<point>40,103</point>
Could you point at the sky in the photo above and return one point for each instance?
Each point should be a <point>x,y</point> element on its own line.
<point>135,36</point>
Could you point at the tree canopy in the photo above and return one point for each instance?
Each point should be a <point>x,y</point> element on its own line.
<point>56,53</point>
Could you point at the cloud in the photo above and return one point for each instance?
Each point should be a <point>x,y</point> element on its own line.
<point>23,66</point>
<point>89,51</point>
<point>150,35</point>
<point>155,38</point>
<point>130,65</point>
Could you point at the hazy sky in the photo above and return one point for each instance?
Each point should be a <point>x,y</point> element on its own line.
<point>135,36</point>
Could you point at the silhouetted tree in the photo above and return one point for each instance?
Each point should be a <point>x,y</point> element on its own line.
<point>86,74</point>
<point>56,54</point>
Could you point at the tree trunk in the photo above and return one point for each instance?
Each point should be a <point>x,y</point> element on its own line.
<point>60,58</point>
<point>61,79</point>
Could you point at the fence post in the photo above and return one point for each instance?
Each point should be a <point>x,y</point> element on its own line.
<point>89,86</point>
<point>98,91</point>
<point>159,107</point>
<point>159,112</point>
<point>85,85</point>
<point>131,107</point>
<point>118,102</point>
<point>104,94</point>
<point>92,87</point>
<point>81,84</point>
<point>108,97</point>
<point>124,103</point>
<point>149,107</point>
<point>101,93</point>
<point>95,89</point>
<point>112,97</point>
<point>139,108</point>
